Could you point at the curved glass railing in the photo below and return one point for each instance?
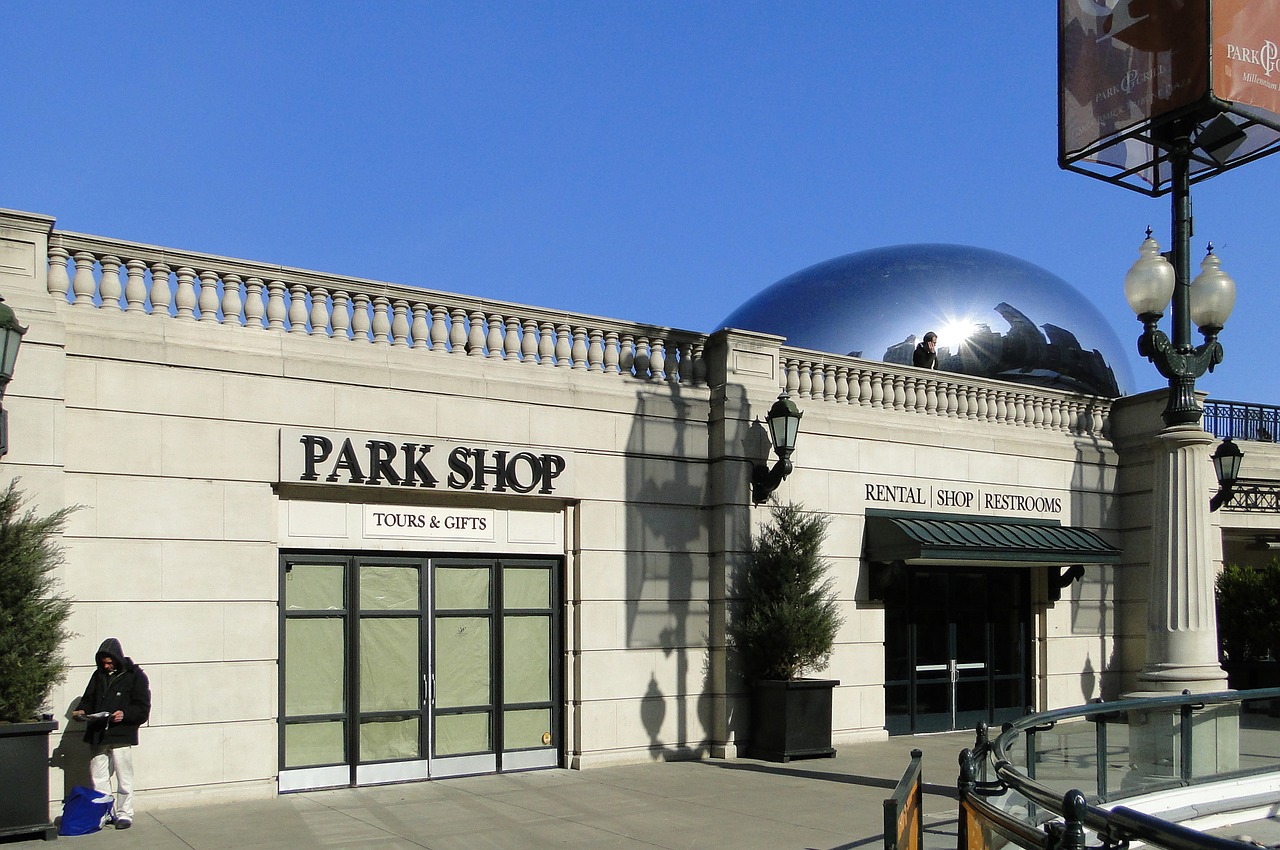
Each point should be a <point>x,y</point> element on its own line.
<point>1166,771</point>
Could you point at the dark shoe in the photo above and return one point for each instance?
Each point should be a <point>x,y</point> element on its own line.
<point>123,823</point>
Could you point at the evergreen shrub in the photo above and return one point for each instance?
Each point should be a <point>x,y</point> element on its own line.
<point>786,622</point>
<point>33,614</point>
<point>1248,600</point>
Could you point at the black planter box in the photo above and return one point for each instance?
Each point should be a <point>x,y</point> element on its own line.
<point>24,779</point>
<point>791,719</point>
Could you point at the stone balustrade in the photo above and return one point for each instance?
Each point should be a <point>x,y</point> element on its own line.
<point>852,381</point>
<point>96,273</point>
<point>93,272</point>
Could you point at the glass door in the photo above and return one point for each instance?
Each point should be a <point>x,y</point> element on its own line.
<point>394,669</point>
<point>955,647</point>
<point>496,669</point>
<point>391,693</point>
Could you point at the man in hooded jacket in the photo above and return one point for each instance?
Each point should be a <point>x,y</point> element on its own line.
<point>116,702</point>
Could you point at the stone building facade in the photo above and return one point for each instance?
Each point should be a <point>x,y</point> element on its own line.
<point>359,532</point>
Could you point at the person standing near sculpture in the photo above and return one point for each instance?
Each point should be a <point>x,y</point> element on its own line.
<point>925,356</point>
<point>116,702</point>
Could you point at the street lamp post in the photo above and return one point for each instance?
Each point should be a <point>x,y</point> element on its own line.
<point>1182,642</point>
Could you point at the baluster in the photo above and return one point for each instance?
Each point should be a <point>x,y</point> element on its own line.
<point>319,311</point>
<point>160,292</point>
<point>511,342</point>
<point>400,323</point>
<point>681,372</point>
<point>829,388</point>
<point>135,289</point>
<point>657,359</point>
<point>57,281</point>
<point>109,287</point>
<point>208,300</point>
<point>641,362</point>
<point>899,393</point>
<point>475,339</point>
<point>547,344</point>
<point>83,284</point>
<point>595,352</point>
<point>458,331</point>
<point>361,322</point>
<point>842,385</point>
<point>611,353</point>
<point>298,308</point>
<point>957,401</point>
<point>877,390</point>
<point>497,327</point>
<point>421,328</point>
<point>864,386</point>
<point>529,343</point>
<point>381,319</point>
<point>986,411</point>
<point>905,389</point>
<point>564,347</point>
<point>254,307</point>
<point>185,298</point>
<point>439,329</point>
<point>792,376</point>
<point>340,318</point>
<point>806,380</point>
<point>231,301</point>
<point>579,348</point>
<point>275,311</point>
<point>626,354</point>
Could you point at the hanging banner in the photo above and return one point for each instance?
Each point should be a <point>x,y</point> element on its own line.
<point>1246,58</point>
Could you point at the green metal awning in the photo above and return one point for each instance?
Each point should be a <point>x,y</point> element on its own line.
<point>931,538</point>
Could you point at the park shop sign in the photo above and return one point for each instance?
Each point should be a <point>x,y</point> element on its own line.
<point>370,460</point>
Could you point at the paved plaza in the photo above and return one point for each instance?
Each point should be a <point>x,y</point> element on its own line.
<point>826,804</point>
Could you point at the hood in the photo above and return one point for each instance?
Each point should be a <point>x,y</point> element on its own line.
<point>110,647</point>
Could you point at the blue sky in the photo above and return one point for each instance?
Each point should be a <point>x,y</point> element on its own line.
<point>657,162</point>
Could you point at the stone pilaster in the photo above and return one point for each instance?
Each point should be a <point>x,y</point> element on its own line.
<point>1182,633</point>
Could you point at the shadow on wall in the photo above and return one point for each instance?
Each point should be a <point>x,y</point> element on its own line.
<point>71,755</point>
<point>667,570</point>
<point>1095,612</point>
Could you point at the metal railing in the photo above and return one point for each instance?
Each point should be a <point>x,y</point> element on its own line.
<point>904,811</point>
<point>1242,421</point>
<point>1024,786</point>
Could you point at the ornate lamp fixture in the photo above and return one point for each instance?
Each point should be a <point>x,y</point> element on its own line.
<point>1207,301</point>
<point>10,338</point>
<point>1226,465</point>
<point>783,420</point>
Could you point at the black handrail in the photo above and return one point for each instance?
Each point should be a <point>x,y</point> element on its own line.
<point>907,799</point>
<point>1242,421</point>
<point>1073,807</point>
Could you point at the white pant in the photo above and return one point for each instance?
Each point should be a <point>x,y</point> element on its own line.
<point>116,760</point>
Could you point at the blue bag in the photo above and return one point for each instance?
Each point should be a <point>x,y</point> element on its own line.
<point>85,811</point>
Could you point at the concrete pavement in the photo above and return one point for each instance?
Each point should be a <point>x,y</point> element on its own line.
<point>825,804</point>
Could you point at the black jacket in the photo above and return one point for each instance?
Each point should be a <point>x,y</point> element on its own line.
<point>126,689</point>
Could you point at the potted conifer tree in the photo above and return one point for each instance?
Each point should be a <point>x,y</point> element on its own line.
<point>784,627</point>
<point>33,620</point>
